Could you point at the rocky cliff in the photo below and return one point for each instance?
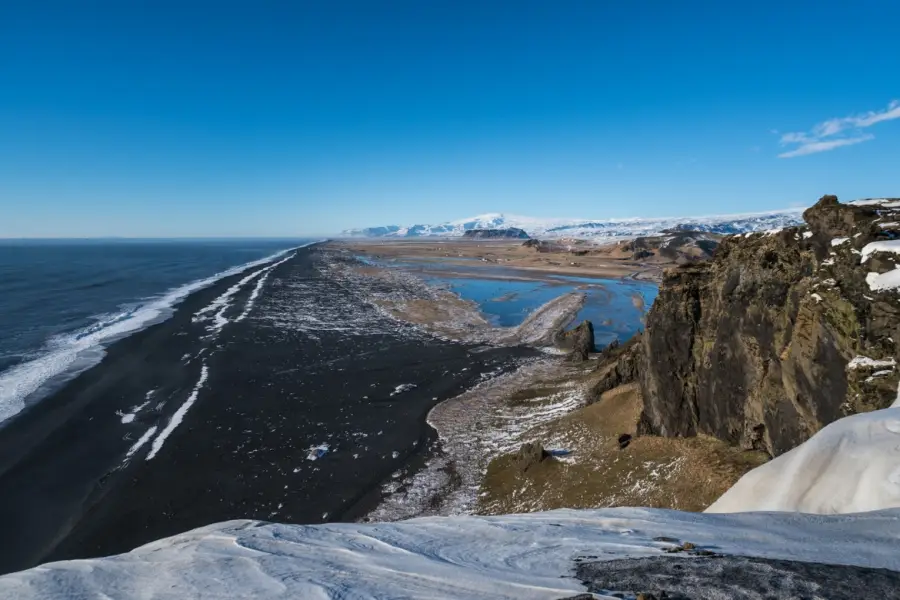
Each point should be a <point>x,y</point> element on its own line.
<point>780,334</point>
<point>513,233</point>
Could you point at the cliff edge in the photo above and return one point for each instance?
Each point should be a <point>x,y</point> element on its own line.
<point>780,334</point>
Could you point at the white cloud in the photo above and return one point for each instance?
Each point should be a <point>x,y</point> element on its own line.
<point>823,146</point>
<point>835,133</point>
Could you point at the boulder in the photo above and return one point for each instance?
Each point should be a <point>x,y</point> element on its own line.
<point>582,341</point>
<point>530,454</point>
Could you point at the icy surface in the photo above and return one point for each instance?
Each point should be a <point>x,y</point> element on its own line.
<point>178,417</point>
<point>851,465</point>
<point>517,556</point>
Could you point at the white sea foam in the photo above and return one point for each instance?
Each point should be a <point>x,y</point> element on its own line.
<point>66,356</point>
<point>178,417</point>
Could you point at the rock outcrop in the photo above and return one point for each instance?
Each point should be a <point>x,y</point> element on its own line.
<point>618,365</point>
<point>513,233</point>
<point>780,334</point>
<point>675,245</point>
<point>530,454</point>
<point>582,341</point>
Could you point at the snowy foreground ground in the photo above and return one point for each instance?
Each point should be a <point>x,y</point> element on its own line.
<point>516,556</point>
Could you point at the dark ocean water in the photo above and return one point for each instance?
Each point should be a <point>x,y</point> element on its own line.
<point>61,301</point>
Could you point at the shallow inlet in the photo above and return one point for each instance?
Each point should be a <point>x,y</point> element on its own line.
<point>616,307</point>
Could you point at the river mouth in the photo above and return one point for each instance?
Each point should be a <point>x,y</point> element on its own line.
<point>507,296</point>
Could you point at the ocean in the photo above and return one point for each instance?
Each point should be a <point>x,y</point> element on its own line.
<point>63,301</point>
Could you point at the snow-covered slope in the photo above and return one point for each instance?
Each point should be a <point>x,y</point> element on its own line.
<point>590,228</point>
<point>516,556</point>
<point>851,465</point>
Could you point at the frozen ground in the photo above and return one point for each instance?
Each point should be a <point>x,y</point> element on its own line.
<point>536,556</point>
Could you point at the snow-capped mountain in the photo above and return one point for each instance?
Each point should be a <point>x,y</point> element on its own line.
<point>591,228</point>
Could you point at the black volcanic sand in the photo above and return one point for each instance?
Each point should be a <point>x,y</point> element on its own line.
<point>737,578</point>
<point>313,363</point>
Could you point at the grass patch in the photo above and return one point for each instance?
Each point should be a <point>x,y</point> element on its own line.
<point>678,473</point>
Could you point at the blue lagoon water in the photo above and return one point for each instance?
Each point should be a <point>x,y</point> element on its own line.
<point>507,296</point>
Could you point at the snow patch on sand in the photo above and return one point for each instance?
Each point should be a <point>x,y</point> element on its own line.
<point>258,288</point>
<point>178,417</point>
<point>141,441</point>
<point>403,387</point>
<point>129,417</point>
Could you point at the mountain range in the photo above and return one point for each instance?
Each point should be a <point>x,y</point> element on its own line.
<point>589,228</point>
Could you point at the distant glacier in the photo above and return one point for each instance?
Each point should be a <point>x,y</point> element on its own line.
<point>606,229</point>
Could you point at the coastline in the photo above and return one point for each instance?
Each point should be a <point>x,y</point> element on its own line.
<point>251,397</point>
<point>239,406</point>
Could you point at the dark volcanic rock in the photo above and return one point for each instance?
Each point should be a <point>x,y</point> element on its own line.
<point>619,364</point>
<point>529,455</point>
<point>735,577</point>
<point>674,245</point>
<point>753,347</point>
<point>492,234</point>
<point>582,341</point>
<point>532,243</point>
<point>830,219</point>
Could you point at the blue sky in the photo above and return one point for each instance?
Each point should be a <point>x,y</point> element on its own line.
<point>297,118</point>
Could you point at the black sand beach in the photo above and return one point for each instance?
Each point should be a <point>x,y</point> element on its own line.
<point>237,404</point>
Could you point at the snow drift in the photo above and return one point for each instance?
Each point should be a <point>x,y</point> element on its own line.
<point>851,465</point>
<point>517,556</point>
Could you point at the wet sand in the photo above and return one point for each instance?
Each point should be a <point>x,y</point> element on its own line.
<point>242,402</point>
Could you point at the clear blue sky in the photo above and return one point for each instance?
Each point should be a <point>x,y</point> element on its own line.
<point>158,118</point>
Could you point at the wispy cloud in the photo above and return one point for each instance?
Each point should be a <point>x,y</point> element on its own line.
<point>835,133</point>
<point>811,147</point>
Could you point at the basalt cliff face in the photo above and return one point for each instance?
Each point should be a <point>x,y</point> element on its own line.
<point>780,334</point>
